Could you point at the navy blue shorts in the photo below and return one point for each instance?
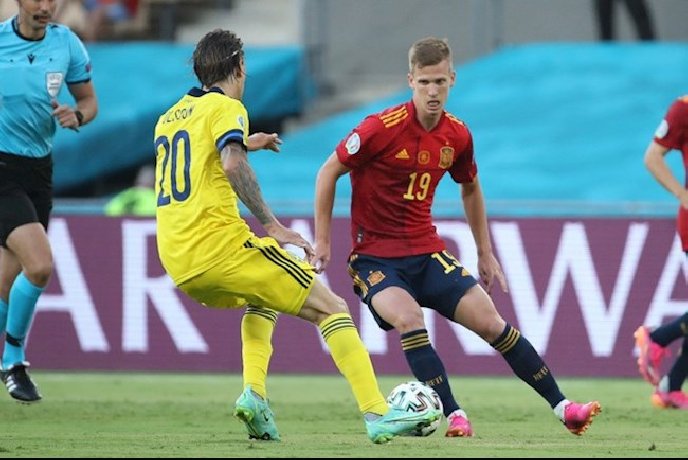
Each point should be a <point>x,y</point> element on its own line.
<point>26,192</point>
<point>436,281</point>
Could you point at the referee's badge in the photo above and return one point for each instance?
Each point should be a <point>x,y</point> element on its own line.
<point>53,83</point>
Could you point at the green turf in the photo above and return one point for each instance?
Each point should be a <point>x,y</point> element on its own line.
<point>185,415</point>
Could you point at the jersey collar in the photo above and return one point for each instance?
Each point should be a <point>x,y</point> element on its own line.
<point>198,92</point>
<point>15,28</point>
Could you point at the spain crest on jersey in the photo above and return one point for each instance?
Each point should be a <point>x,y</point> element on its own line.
<point>446,157</point>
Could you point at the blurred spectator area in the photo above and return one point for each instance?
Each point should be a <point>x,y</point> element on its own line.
<point>159,19</point>
<point>147,19</point>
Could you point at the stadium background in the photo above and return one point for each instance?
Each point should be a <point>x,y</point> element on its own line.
<point>560,121</point>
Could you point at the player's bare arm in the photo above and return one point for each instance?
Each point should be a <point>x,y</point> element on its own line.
<point>244,181</point>
<point>474,207</point>
<point>656,164</point>
<point>325,187</point>
<point>86,105</point>
<point>259,141</point>
<point>245,184</point>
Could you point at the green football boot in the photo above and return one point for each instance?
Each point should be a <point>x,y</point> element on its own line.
<point>256,415</point>
<point>398,423</point>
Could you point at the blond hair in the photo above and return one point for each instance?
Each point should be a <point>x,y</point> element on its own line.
<point>429,51</point>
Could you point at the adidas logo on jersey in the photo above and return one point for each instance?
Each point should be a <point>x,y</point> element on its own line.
<point>403,155</point>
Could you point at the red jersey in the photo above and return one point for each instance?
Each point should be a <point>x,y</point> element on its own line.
<point>395,168</point>
<point>672,133</point>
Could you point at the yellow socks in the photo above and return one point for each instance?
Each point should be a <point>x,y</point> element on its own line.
<point>257,326</point>
<point>353,361</point>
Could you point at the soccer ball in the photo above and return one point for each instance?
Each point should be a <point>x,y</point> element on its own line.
<point>416,397</point>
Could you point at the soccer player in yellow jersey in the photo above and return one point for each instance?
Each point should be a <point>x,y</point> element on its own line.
<point>211,254</point>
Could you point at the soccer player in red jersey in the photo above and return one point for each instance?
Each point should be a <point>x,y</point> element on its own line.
<point>399,263</point>
<point>672,134</point>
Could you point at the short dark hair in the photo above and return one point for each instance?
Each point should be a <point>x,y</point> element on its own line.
<point>429,51</point>
<point>217,56</point>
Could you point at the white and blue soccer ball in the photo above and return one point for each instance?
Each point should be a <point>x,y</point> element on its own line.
<point>416,397</point>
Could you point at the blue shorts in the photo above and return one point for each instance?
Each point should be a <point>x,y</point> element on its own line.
<point>436,281</point>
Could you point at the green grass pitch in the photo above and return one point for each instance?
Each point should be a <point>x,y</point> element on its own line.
<point>189,415</point>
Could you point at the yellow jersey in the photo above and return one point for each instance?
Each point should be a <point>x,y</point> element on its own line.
<point>198,219</point>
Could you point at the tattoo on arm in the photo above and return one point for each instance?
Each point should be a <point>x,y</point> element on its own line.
<point>245,183</point>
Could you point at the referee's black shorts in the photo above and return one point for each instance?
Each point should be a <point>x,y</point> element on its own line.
<point>26,192</point>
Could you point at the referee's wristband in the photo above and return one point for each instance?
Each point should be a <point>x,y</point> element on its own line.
<point>79,117</point>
